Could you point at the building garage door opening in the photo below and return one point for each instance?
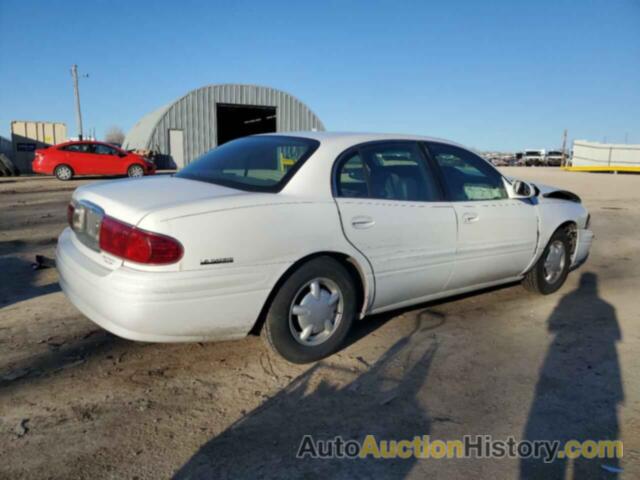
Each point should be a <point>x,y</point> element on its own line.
<point>235,121</point>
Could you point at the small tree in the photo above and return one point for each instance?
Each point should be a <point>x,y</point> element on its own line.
<point>114,135</point>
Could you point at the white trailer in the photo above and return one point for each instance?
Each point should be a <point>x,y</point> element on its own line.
<point>607,157</point>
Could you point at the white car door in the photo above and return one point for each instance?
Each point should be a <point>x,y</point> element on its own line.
<point>392,210</point>
<point>497,235</point>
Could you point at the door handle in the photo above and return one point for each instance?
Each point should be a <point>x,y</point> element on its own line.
<point>470,217</point>
<point>362,222</point>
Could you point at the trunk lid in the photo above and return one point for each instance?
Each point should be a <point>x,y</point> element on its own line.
<point>130,200</point>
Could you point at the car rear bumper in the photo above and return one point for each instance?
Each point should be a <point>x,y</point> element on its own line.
<point>37,166</point>
<point>161,306</point>
<point>583,245</point>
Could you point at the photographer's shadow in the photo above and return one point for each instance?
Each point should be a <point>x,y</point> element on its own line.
<point>580,384</point>
<point>265,442</point>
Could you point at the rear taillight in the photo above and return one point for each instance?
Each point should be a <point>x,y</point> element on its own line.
<point>131,243</point>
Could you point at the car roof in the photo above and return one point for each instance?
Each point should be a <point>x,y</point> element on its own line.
<point>355,138</point>
<point>96,142</point>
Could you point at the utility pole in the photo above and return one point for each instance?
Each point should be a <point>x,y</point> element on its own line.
<point>564,148</point>
<point>76,91</point>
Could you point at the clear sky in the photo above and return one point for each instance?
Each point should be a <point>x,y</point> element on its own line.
<point>488,74</point>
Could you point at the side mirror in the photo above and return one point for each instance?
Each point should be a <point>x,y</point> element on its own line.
<point>122,154</point>
<point>523,189</point>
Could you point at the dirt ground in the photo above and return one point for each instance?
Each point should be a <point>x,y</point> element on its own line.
<point>77,402</point>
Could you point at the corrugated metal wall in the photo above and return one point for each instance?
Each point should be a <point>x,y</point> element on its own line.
<point>27,136</point>
<point>195,114</point>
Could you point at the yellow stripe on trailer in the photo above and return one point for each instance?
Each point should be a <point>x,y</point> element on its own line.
<point>608,168</point>
<point>286,163</point>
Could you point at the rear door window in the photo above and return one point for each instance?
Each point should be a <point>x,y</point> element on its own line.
<point>390,170</point>
<point>77,148</point>
<point>352,178</point>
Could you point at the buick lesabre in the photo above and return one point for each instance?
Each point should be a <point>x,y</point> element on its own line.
<point>299,235</point>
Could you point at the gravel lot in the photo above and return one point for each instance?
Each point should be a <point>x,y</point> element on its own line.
<point>77,402</point>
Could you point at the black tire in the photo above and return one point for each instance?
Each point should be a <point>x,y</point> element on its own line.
<point>135,170</point>
<point>280,322</point>
<point>536,280</point>
<point>63,172</point>
<point>7,168</point>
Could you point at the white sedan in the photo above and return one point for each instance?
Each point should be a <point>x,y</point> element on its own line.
<point>298,235</point>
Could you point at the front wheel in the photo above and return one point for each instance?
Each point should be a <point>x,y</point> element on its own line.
<point>135,171</point>
<point>551,270</point>
<point>312,312</point>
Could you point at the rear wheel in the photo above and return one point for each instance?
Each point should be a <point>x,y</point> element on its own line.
<point>135,171</point>
<point>312,312</point>
<point>63,172</point>
<point>552,268</point>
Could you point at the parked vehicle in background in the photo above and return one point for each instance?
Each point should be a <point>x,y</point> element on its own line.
<point>533,158</point>
<point>498,161</point>
<point>519,158</point>
<point>69,159</point>
<point>554,158</point>
<point>300,235</point>
<point>502,160</point>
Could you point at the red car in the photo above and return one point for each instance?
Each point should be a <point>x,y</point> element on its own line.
<point>89,158</point>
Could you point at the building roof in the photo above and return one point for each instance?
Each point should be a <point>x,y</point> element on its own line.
<point>195,111</point>
<point>140,135</point>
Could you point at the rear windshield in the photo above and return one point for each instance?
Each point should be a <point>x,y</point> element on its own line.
<point>260,163</point>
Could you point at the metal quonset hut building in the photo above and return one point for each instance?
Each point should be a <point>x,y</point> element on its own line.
<point>210,116</point>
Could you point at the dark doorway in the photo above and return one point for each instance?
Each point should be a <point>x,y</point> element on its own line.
<point>235,121</point>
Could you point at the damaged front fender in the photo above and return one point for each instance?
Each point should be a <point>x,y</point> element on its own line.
<point>547,191</point>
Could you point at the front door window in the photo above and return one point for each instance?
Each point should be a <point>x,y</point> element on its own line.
<point>467,176</point>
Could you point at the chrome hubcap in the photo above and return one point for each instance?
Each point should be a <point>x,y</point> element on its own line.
<point>136,171</point>
<point>64,173</point>
<point>316,311</point>
<point>555,261</point>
